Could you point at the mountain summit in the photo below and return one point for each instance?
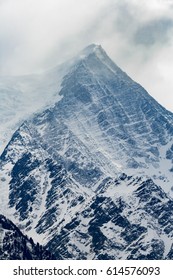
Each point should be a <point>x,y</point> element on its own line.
<point>90,176</point>
<point>93,48</point>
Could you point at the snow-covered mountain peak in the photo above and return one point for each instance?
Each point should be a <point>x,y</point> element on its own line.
<point>88,176</point>
<point>93,48</point>
<point>94,60</point>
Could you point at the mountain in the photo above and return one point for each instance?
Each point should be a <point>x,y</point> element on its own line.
<point>16,246</point>
<point>63,173</point>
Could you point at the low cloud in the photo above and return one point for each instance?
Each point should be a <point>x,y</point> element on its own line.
<point>154,32</point>
<point>36,35</point>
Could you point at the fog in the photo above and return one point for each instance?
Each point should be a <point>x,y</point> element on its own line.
<point>138,35</point>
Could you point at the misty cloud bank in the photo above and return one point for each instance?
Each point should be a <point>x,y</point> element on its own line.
<point>37,35</point>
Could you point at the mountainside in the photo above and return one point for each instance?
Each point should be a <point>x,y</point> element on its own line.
<point>127,219</point>
<point>15,246</point>
<point>116,117</point>
<point>63,173</point>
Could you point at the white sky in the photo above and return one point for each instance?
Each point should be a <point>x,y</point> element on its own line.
<point>137,34</point>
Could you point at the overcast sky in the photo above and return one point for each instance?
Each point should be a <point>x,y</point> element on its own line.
<point>137,34</point>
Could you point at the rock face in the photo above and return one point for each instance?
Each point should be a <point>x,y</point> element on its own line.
<point>16,246</point>
<point>63,173</point>
<point>133,226</point>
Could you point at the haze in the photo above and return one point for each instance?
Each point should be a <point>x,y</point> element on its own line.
<point>39,34</point>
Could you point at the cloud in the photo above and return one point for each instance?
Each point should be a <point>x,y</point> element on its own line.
<point>39,34</point>
<point>32,31</point>
<point>154,32</point>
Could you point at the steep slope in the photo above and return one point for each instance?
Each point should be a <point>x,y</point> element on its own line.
<point>127,219</point>
<point>15,246</point>
<point>43,189</point>
<point>62,167</point>
<point>116,117</point>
